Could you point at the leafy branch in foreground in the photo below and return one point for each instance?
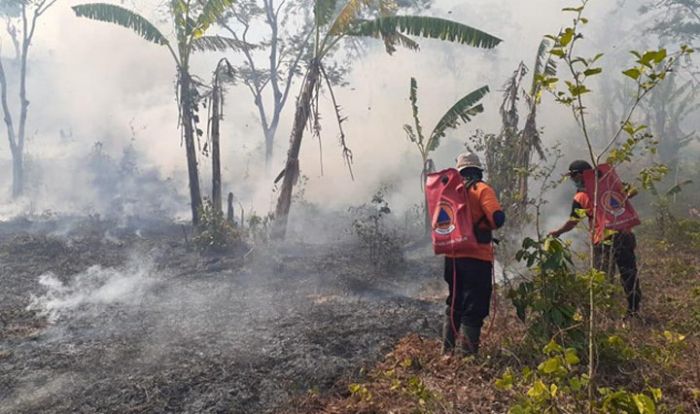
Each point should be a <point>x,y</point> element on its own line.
<point>649,69</point>
<point>558,385</point>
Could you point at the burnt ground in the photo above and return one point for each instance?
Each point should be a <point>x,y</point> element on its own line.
<point>96,317</point>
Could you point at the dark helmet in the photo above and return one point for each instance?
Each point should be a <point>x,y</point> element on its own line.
<point>579,166</point>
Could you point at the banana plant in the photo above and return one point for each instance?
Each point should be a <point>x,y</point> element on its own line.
<point>462,111</point>
<point>191,20</point>
<point>334,22</point>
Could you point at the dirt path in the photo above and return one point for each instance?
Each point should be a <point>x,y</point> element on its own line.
<point>136,323</point>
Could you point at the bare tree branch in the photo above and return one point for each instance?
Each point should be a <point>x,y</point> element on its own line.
<point>347,153</point>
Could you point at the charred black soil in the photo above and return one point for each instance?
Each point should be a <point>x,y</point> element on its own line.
<point>100,317</point>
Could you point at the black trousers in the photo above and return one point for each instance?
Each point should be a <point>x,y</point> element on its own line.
<point>470,289</point>
<point>620,253</point>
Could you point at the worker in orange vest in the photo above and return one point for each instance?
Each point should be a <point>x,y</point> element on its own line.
<point>469,274</point>
<point>619,247</point>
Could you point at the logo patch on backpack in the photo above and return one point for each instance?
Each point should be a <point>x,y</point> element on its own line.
<point>613,203</point>
<point>444,223</point>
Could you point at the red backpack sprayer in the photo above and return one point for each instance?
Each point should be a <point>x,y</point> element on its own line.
<point>453,228</point>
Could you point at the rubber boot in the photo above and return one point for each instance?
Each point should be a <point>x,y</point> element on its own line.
<point>448,336</point>
<point>470,344</point>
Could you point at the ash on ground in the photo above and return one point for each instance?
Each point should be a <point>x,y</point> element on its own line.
<point>96,318</point>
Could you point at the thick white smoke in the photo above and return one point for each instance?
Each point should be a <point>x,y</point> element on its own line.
<point>92,290</point>
<point>94,82</point>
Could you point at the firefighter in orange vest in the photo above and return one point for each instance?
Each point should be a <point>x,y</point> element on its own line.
<point>619,250</point>
<point>469,275</point>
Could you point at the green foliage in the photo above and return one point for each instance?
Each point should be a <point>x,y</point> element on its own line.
<point>667,353</point>
<point>545,66</point>
<point>650,68</point>
<point>553,301</point>
<point>414,386</point>
<point>462,111</point>
<point>214,233</point>
<point>416,136</point>
<point>259,227</point>
<point>211,11</point>
<point>121,16</point>
<point>687,233</point>
<point>558,385</point>
<point>650,175</point>
<point>638,136</point>
<point>423,26</point>
<point>216,43</point>
<point>323,11</point>
<point>360,391</point>
<point>614,350</point>
<point>666,222</point>
<point>581,68</point>
<point>411,386</point>
<point>383,244</point>
<point>190,31</point>
<point>348,13</point>
<point>693,309</point>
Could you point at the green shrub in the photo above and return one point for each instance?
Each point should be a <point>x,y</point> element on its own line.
<point>214,233</point>
<point>559,385</point>
<point>553,301</point>
<point>259,227</point>
<point>369,225</point>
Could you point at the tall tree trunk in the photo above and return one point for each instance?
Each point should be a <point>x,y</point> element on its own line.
<point>17,157</point>
<point>269,142</point>
<point>7,117</point>
<point>190,148</point>
<point>17,173</point>
<point>229,212</point>
<point>269,130</point>
<point>291,169</point>
<point>215,149</point>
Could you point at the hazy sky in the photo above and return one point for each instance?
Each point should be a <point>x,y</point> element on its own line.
<point>100,81</point>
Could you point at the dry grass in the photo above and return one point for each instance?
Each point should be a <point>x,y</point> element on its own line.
<point>416,378</point>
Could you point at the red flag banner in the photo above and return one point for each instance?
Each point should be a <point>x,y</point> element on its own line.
<point>613,208</point>
<point>448,208</point>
